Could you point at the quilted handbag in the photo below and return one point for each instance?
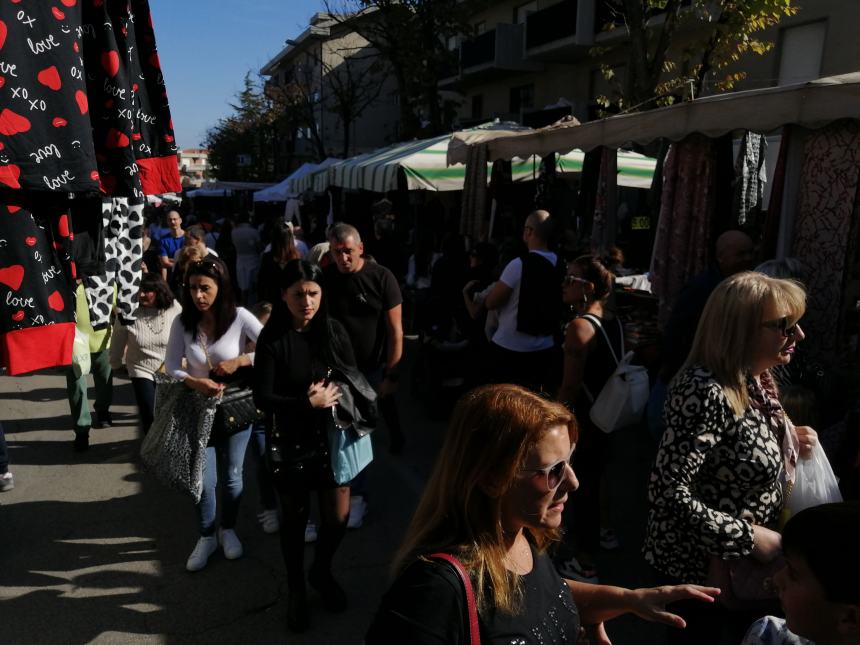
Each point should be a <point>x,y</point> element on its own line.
<point>174,449</point>
<point>236,410</point>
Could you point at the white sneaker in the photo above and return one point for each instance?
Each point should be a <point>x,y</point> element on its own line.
<point>230,543</point>
<point>357,511</point>
<point>269,521</point>
<point>200,555</point>
<point>310,533</point>
<point>7,482</point>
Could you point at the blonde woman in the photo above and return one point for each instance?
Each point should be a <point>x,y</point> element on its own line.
<point>495,501</point>
<point>717,484</point>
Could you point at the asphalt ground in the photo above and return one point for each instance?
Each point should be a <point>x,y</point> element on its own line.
<point>92,550</point>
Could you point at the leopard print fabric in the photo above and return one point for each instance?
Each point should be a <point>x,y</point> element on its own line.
<point>715,475</point>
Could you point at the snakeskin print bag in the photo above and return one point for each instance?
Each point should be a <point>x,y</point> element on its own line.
<point>174,449</point>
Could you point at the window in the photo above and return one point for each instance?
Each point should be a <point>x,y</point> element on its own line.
<point>522,12</point>
<point>477,106</point>
<point>481,27</point>
<point>522,98</point>
<point>800,52</point>
<point>453,43</point>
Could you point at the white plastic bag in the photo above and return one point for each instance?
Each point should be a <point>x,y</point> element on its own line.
<point>623,398</point>
<point>81,353</point>
<point>814,482</point>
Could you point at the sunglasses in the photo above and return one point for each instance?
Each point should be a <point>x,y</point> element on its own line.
<point>572,279</point>
<point>553,475</point>
<point>782,326</point>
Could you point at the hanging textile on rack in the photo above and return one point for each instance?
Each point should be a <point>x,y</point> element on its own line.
<point>750,177</point>
<point>686,218</point>
<point>474,206</point>
<point>826,218</point>
<point>83,110</point>
<point>605,222</point>
<point>37,306</point>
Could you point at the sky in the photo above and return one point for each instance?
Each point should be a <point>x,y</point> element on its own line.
<point>207,46</point>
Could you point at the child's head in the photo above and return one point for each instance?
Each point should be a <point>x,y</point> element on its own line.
<point>262,310</point>
<point>819,588</point>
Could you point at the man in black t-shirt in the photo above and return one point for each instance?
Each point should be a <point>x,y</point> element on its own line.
<point>365,298</point>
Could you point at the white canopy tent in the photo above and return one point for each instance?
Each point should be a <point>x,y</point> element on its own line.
<point>425,166</point>
<point>281,192</point>
<point>811,105</point>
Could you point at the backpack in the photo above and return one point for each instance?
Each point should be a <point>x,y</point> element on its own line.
<point>625,394</point>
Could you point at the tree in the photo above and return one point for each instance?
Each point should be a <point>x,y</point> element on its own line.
<point>412,38</point>
<point>659,67</point>
<point>244,145</point>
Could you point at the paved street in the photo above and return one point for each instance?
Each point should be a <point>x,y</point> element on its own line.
<point>93,551</point>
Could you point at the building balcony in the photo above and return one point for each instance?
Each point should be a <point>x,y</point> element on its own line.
<point>495,53</point>
<point>562,32</point>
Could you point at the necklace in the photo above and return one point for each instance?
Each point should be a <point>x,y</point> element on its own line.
<point>158,328</point>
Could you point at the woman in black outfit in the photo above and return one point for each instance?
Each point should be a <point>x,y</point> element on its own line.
<point>295,352</point>
<point>588,364</point>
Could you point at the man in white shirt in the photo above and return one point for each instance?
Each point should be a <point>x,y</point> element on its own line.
<point>523,349</point>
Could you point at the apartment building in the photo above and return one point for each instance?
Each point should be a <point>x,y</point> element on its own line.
<point>531,61</point>
<point>315,64</point>
<point>194,166</point>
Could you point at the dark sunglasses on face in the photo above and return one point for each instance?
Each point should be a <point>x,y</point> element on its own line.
<point>554,474</point>
<point>782,326</point>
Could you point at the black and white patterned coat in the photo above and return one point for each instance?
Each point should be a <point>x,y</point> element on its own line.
<point>715,475</point>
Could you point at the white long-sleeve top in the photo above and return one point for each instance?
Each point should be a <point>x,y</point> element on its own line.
<point>232,344</point>
<point>144,342</point>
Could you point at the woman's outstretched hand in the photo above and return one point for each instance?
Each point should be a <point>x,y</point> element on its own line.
<point>650,603</point>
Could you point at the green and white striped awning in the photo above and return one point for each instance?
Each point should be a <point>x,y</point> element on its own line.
<point>424,165</point>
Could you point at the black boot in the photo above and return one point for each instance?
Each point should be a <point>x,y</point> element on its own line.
<point>297,608</point>
<point>320,576</point>
<point>82,440</point>
<point>331,593</point>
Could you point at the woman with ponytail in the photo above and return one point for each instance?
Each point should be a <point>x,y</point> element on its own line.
<point>592,341</point>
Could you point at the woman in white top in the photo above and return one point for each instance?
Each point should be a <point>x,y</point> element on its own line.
<point>144,343</point>
<point>211,330</point>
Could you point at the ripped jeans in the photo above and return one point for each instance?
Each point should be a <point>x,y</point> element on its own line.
<point>224,462</point>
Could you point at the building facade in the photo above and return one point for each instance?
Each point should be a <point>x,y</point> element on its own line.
<point>194,168</point>
<point>323,70</point>
<point>532,62</point>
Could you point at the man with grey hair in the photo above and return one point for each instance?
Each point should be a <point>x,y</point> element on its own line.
<point>365,297</point>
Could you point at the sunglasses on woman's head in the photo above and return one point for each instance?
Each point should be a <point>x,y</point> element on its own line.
<point>553,474</point>
<point>782,326</point>
<point>572,279</point>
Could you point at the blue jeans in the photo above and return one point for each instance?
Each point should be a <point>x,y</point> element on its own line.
<point>224,461</point>
<point>257,448</point>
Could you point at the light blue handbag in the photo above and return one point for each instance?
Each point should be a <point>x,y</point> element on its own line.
<point>350,453</point>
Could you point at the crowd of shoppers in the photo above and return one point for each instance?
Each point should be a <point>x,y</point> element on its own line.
<point>541,325</point>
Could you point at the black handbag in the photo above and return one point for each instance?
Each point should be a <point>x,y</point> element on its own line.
<point>236,407</point>
<point>236,410</point>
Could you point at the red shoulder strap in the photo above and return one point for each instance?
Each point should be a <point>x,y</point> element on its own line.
<point>474,631</point>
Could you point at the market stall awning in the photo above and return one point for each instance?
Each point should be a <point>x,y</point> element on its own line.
<point>226,188</point>
<point>425,166</point>
<point>811,105</point>
<point>283,191</point>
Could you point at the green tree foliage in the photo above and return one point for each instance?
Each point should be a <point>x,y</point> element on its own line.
<point>244,146</point>
<point>675,47</point>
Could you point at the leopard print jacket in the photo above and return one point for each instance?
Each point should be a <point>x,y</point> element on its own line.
<point>715,475</point>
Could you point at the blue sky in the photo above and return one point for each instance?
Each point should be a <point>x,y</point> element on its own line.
<point>206,46</point>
